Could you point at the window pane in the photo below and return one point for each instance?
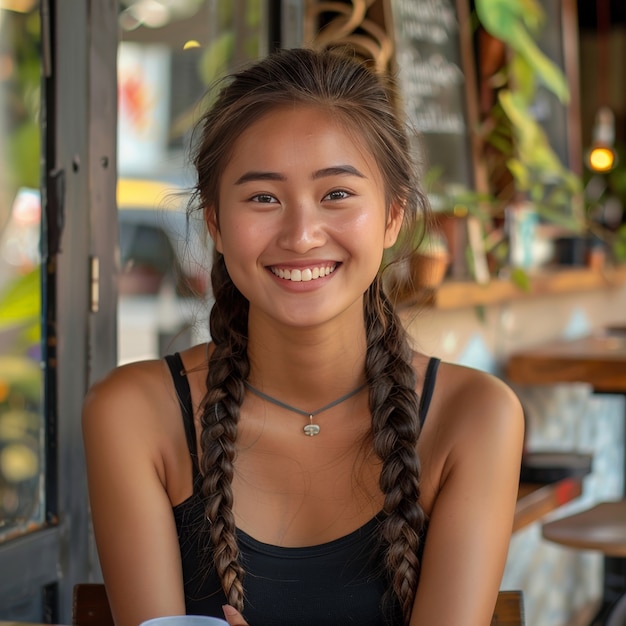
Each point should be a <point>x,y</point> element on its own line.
<point>21,414</point>
<point>168,56</point>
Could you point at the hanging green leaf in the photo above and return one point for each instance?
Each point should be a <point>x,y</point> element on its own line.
<point>509,21</point>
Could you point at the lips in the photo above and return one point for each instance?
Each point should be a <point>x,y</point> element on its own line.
<point>304,274</point>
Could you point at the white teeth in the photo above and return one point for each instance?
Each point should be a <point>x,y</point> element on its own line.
<point>304,275</point>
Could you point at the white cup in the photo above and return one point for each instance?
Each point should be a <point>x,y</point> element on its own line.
<point>185,620</point>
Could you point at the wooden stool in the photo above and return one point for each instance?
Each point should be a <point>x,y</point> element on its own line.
<point>602,528</point>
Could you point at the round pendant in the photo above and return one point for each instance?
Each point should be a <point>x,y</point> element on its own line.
<point>310,430</point>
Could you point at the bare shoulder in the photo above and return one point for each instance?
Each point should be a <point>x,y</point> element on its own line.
<point>478,388</point>
<point>468,400</point>
<point>474,429</point>
<point>133,380</point>
<point>142,391</point>
<point>130,394</point>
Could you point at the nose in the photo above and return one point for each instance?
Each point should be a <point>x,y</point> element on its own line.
<point>301,229</point>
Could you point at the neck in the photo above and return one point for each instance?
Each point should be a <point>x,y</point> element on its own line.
<point>307,363</point>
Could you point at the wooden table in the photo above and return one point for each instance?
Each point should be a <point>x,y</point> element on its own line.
<point>599,360</point>
<point>602,528</point>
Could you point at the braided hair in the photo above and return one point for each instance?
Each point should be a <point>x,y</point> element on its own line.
<point>364,103</point>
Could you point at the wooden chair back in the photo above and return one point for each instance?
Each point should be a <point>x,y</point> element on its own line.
<point>509,609</point>
<point>90,607</point>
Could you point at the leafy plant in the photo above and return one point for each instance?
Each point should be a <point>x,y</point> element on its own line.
<point>511,134</point>
<point>20,311</point>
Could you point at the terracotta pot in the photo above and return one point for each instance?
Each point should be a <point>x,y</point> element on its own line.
<point>413,280</point>
<point>428,271</point>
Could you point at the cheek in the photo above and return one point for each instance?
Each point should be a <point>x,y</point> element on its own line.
<point>365,240</point>
<point>370,227</point>
<point>240,240</point>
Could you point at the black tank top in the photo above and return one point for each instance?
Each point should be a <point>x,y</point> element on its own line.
<point>337,583</point>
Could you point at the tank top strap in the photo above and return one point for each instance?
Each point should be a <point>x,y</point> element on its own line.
<point>183,392</point>
<point>428,388</point>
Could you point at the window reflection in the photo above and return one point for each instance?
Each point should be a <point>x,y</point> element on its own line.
<point>169,55</point>
<point>21,414</point>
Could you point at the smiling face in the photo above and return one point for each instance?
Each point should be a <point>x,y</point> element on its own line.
<point>302,219</point>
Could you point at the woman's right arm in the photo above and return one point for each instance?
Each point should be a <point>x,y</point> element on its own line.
<point>123,432</point>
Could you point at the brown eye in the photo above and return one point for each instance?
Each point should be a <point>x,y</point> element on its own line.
<point>338,194</point>
<point>264,198</point>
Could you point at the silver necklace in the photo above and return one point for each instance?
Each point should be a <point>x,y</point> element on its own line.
<point>311,429</point>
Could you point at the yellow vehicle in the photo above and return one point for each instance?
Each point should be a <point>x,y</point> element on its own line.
<point>157,240</point>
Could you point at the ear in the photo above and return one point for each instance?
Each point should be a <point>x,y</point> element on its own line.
<point>394,223</point>
<point>210,218</point>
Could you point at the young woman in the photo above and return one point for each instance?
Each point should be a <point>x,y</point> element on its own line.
<point>306,467</point>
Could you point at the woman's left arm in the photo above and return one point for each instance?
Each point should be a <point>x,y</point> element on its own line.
<point>481,425</point>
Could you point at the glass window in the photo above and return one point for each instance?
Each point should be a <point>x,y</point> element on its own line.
<point>169,55</point>
<point>22,506</point>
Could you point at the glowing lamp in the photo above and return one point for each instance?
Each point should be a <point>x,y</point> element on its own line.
<point>601,159</point>
<point>601,156</point>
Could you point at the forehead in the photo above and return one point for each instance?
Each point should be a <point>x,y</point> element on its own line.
<point>302,132</point>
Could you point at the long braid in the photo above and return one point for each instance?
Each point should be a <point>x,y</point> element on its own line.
<point>395,429</point>
<point>228,368</point>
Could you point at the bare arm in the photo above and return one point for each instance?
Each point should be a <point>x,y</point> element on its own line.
<point>123,431</point>
<point>471,521</point>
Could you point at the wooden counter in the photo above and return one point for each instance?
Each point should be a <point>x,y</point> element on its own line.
<point>599,360</point>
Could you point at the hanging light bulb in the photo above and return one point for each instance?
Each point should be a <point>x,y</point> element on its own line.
<point>602,156</point>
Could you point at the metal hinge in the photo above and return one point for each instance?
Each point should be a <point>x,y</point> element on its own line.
<point>94,291</point>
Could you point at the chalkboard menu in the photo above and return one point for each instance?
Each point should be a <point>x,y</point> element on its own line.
<point>433,89</point>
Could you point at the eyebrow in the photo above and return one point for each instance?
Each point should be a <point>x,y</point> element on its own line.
<point>253,176</point>
<point>335,170</point>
